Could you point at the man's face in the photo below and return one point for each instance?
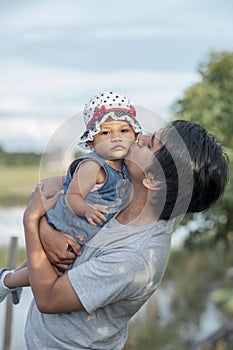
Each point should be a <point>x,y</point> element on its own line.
<point>142,153</point>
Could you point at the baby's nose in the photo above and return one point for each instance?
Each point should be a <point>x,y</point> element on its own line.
<point>116,137</point>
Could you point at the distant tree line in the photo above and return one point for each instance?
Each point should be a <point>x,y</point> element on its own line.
<point>19,158</point>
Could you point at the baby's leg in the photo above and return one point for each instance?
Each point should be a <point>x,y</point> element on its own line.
<point>17,278</point>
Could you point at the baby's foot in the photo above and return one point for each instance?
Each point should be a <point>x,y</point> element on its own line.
<point>15,295</point>
<point>4,291</point>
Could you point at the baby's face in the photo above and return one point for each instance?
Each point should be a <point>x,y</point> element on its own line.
<point>114,139</point>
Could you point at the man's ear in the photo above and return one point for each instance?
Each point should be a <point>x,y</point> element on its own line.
<point>150,183</point>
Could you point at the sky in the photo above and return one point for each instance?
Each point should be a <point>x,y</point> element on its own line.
<point>56,54</point>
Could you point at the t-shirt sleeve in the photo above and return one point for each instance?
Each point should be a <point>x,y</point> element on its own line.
<point>109,278</point>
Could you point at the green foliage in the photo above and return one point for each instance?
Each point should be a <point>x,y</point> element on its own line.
<point>209,102</point>
<point>17,158</point>
<point>224,298</point>
<point>206,268</point>
<point>157,337</point>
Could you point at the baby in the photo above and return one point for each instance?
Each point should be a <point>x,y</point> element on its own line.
<point>97,185</point>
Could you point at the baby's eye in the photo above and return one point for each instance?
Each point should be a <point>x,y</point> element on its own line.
<point>105,132</point>
<point>124,130</point>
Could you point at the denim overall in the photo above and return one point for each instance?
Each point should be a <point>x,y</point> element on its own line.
<point>113,194</point>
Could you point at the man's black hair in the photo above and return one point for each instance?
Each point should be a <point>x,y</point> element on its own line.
<point>191,167</point>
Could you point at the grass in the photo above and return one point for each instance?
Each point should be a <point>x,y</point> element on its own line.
<point>17,182</point>
<point>4,256</point>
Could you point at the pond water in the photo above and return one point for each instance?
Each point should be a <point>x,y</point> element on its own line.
<point>11,225</point>
<point>19,313</point>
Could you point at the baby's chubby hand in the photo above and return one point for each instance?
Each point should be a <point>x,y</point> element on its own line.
<point>95,214</point>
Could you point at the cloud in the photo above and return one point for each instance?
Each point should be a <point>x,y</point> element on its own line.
<point>41,89</point>
<point>15,104</point>
<point>50,96</point>
<point>56,54</point>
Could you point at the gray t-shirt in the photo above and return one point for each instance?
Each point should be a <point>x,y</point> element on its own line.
<point>117,272</point>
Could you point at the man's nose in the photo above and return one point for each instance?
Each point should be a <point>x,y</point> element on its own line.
<point>143,140</point>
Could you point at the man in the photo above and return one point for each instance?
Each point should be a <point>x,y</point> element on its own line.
<point>180,169</point>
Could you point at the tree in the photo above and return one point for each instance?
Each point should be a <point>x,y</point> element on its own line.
<point>210,103</point>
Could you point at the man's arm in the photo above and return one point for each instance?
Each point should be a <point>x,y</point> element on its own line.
<point>52,293</point>
<point>61,249</point>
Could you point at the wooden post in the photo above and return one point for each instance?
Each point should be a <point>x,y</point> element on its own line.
<point>8,318</point>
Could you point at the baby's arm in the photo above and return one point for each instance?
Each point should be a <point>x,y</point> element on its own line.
<point>88,174</point>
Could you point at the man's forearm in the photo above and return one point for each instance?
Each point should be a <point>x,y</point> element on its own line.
<point>41,273</point>
<point>52,293</point>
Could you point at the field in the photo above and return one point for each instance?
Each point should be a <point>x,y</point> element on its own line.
<point>17,182</point>
<point>4,256</point>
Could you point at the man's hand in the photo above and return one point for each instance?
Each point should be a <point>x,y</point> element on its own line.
<point>56,243</point>
<point>39,202</point>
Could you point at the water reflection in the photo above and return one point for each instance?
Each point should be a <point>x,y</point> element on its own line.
<point>158,310</point>
<point>11,224</point>
<point>19,314</point>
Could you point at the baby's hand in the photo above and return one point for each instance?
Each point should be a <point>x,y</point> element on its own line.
<point>94,214</point>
